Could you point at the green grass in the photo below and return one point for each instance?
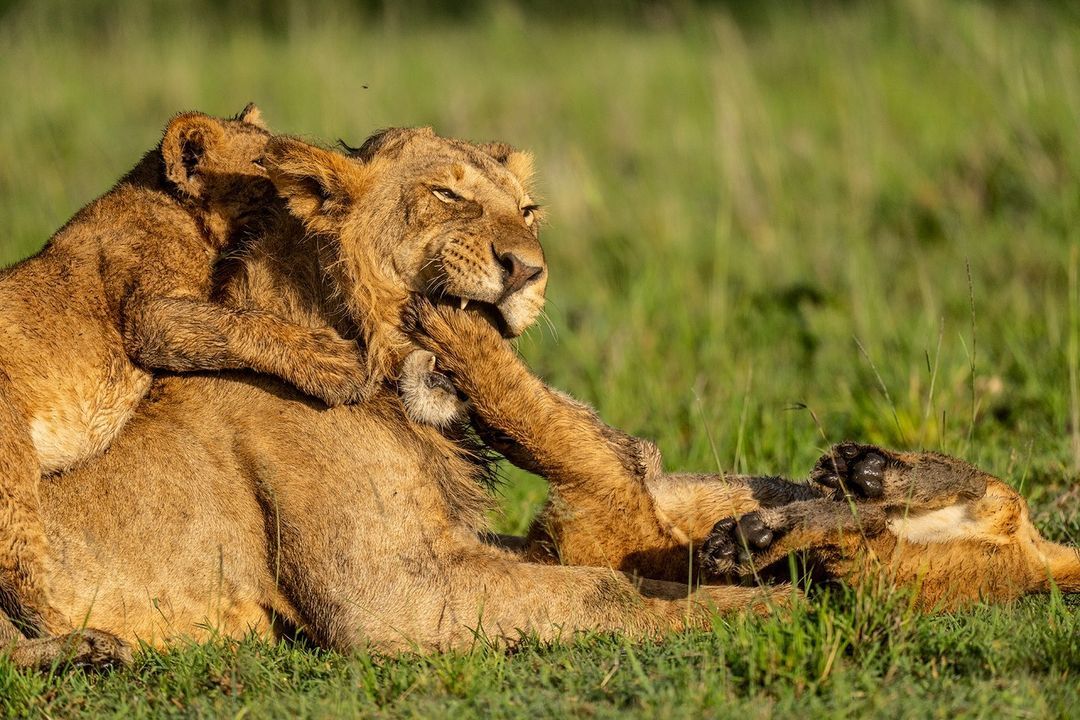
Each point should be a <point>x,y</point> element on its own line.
<point>847,221</point>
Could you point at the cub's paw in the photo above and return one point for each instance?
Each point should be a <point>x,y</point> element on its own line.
<point>429,396</point>
<point>735,543</point>
<point>854,469</point>
<point>336,373</point>
<point>87,648</point>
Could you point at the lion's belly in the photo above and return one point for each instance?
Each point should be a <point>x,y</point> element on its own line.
<point>78,417</point>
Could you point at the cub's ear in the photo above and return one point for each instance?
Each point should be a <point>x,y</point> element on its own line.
<point>518,162</point>
<point>318,185</point>
<point>252,115</point>
<point>189,143</point>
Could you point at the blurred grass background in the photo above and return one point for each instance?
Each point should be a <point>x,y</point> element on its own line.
<point>773,225</point>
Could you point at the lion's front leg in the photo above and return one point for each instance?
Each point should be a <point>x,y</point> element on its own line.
<point>602,513</point>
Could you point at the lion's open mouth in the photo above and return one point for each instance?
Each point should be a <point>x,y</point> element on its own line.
<point>488,311</point>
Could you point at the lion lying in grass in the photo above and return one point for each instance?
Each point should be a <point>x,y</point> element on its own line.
<point>928,521</point>
<point>233,504</point>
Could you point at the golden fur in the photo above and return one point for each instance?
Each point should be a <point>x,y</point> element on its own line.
<point>247,508</point>
<point>122,289</point>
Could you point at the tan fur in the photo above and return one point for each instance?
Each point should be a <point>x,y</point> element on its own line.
<point>246,509</point>
<point>124,288</point>
<point>941,526</point>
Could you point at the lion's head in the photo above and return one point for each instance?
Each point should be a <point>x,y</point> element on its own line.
<point>213,166</point>
<point>409,212</point>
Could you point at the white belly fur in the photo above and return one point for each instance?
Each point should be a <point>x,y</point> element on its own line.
<point>937,526</point>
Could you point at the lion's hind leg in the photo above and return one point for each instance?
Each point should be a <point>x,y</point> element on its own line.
<point>35,632</point>
<point>24,548</point>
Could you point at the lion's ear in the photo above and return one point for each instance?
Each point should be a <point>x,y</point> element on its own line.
<point>252,115</point>
<point>189,143</point>
<point>518,162</point>
<point>317,184</point>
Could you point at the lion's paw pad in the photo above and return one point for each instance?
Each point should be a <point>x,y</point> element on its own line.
<point>853,469</point>
<point>734,542</point>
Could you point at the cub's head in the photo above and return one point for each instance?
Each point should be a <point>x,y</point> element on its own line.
<point>214,167</point>
<point>412,212</point>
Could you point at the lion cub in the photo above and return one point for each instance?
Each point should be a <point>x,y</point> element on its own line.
<point>122,289</point>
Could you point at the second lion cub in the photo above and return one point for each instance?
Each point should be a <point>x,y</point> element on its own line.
<point>123,288</point>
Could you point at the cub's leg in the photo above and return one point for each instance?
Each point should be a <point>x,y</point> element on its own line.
<point>80,648</point>
<point>186,334</point>
<point>24,560</point>
<point>24,549</point>
<point>922,481</point>
<point>597,474</point>
<point>756,540</point>
<point>694,502</point>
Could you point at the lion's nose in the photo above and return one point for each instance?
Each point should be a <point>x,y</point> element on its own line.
<point>518,273</point>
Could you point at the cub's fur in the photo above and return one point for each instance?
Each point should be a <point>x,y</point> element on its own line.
<point>122,289</point>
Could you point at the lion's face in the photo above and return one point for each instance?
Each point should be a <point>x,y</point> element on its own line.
<point>216,164</point>
<point>472,230</point>
<point>444,218</point>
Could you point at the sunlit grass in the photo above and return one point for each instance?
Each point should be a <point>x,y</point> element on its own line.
<point>761,241</point>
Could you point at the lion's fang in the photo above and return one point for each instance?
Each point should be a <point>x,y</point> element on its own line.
<point>464,302</point>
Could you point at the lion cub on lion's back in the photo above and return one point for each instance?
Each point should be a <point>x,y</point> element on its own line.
<point>124,287</point>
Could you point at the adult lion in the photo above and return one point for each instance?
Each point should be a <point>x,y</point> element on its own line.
<point>232,502</point>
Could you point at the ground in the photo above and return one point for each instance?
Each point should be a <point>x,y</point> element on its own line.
<point>769,232</point>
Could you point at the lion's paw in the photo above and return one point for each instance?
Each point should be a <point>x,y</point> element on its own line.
<point>854,469</point>
<point>429,396</point>
<point>734,544</point>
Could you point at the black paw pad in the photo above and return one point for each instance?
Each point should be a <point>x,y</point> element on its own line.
<point>734,542</point>
<point>853,469</point>
<point>719,550</point>
<point>751,532</point>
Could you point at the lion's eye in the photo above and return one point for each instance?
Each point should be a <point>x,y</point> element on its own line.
<point>529,213</point>
<point>445,194</point>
